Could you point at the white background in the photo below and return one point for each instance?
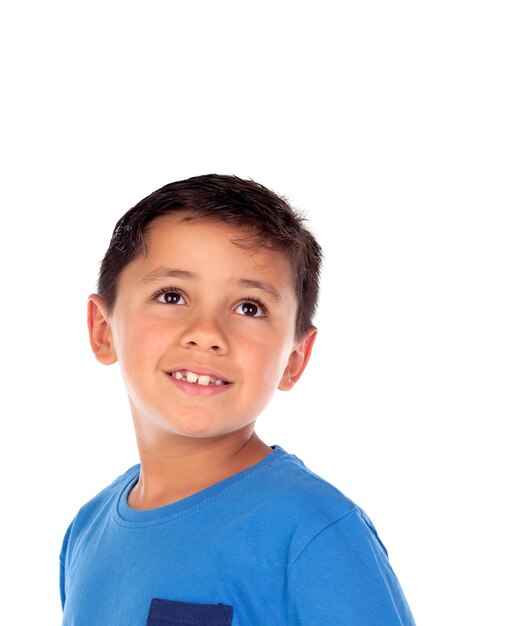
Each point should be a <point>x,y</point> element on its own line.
<point>394,125</point>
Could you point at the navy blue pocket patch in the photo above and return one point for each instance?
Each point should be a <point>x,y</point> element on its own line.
<point>173,613</point>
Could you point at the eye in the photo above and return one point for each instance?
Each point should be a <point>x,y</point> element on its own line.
<point>252,308</point>
<point>169,296</point>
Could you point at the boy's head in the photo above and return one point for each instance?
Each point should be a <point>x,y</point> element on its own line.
<point>206,296</point>
<point>266,219</point>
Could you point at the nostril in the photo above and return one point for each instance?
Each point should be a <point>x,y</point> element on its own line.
<point>203,341</point>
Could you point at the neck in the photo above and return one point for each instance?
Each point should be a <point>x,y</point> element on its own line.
<point>177,468</point>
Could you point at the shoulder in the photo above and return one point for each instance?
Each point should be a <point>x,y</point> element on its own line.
<point>337,564</point>
<point>104,500</point>
<point>301,496</point>
<point>292,481</point>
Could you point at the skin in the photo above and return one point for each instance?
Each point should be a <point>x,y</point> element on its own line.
<point>189,442</point>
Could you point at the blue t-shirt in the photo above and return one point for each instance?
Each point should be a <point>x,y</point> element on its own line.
<point>272,545</point>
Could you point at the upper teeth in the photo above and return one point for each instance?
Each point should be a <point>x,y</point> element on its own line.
<point>192,377</point>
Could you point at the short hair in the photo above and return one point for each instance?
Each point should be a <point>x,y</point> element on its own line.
<point>268,219</point>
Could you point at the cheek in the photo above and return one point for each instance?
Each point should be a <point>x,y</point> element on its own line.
<point>139,342</point>
<point>265,362</point>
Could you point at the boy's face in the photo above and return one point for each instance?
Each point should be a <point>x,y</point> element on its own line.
<point>192,304</point>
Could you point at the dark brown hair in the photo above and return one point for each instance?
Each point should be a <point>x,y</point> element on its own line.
<point>266,218</point>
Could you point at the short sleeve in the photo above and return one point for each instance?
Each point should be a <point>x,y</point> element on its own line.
<point>343,576</point>
<point>62,558</point>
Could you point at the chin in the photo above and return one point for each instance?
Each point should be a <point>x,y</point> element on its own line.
<point>198,427</point>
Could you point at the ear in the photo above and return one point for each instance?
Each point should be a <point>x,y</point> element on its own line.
<point>297,360</point>
<point>100,331</point>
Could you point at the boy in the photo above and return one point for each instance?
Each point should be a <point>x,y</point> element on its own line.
<point>205,298</point>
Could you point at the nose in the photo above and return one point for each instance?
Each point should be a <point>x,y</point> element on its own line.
<point>205,334</point>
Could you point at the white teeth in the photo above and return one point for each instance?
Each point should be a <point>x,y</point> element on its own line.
<point>201,379</point>
<point>191,377</point>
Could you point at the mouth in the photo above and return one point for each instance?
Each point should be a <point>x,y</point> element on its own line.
<point>205,380</point>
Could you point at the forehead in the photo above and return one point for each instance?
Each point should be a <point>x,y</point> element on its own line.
<point>216,249</point>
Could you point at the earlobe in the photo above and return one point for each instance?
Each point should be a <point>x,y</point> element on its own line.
<point>99,330</point>
<point>298,360</point>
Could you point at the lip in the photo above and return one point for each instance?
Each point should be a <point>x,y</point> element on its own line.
<point>199,369</point>
<point>194,389</point>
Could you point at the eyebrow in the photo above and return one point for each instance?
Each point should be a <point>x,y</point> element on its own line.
<point>262,286</point>
<point>162,273</point>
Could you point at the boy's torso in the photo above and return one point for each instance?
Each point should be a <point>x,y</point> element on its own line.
<point>233,544</point>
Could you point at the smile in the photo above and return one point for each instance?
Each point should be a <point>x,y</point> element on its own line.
<point>197,379</point>
<point>207,384</point>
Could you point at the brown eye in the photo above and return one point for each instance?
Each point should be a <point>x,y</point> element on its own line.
<point>251,309</point>
<point>170,297</point>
